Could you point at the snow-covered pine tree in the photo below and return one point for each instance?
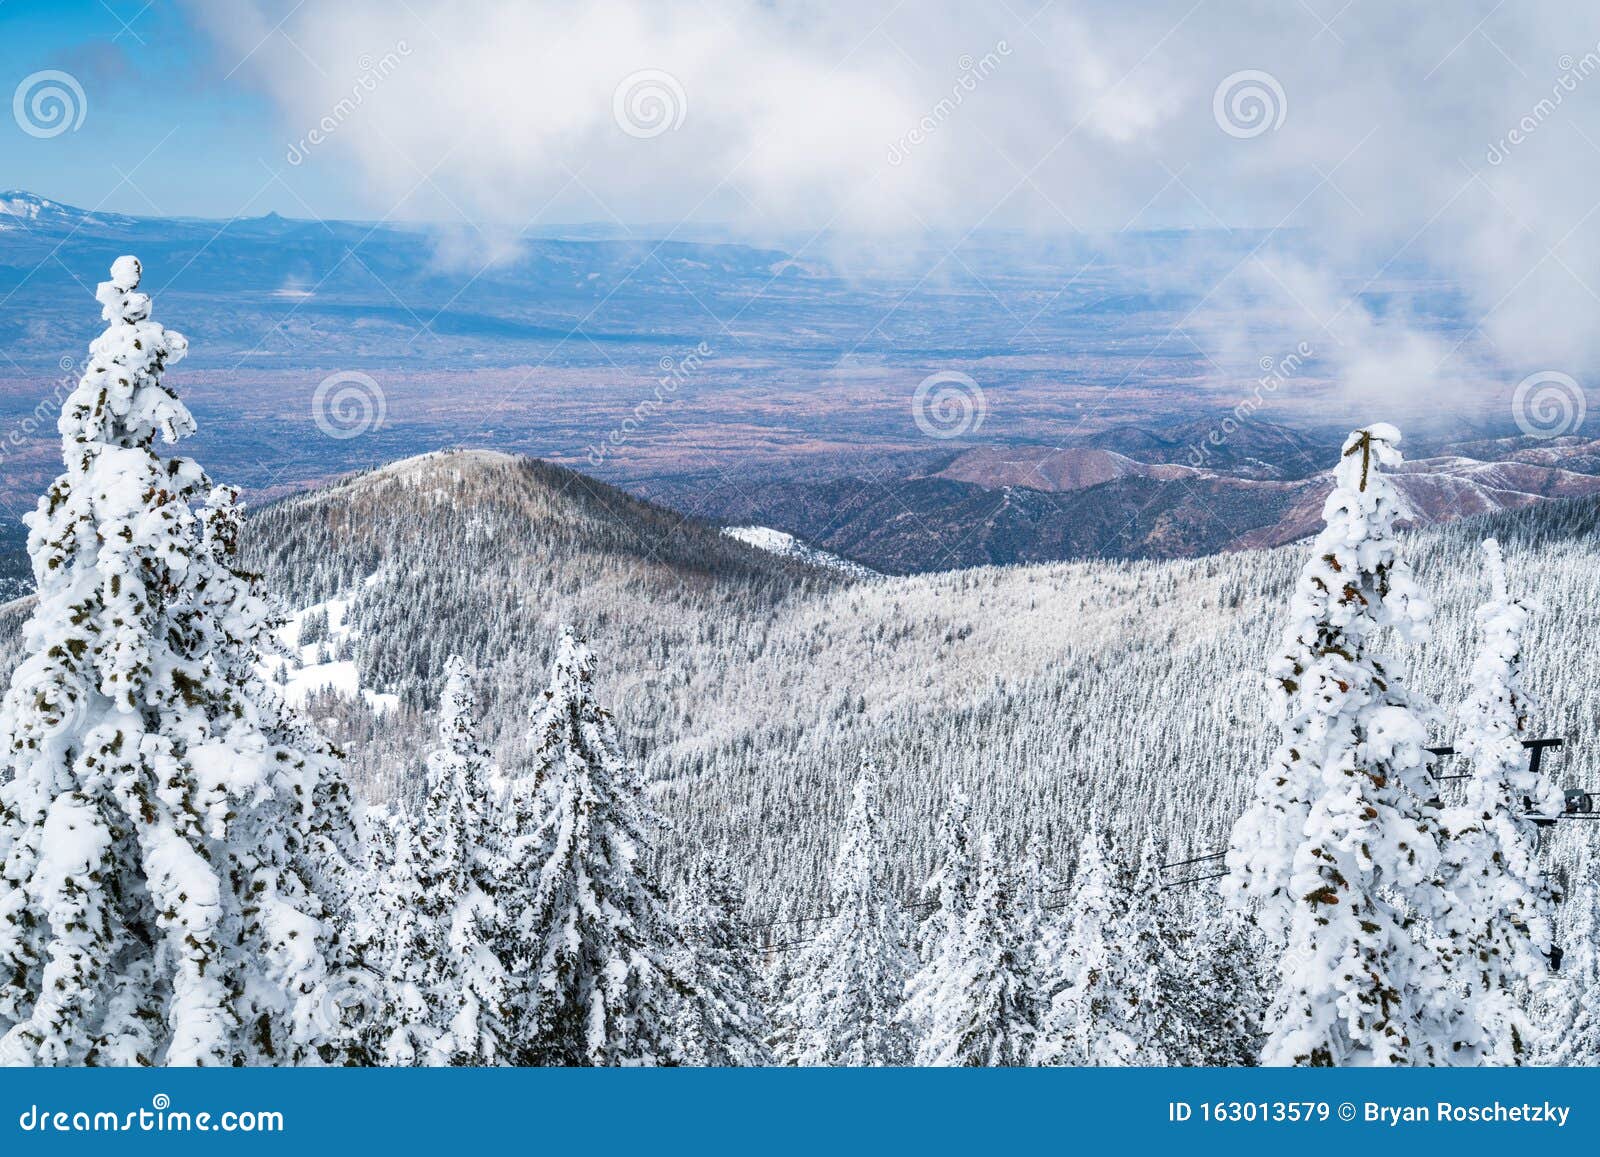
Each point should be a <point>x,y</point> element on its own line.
<point>1504,905</point>
<point>948,895</point>
<point>846,998</point>
<point>1087,1022</point>
<point>588,940</point>
<point>723,1020</point>
<point>1217,1004</point>
<point>1154,1015</point>
<point>985,1009</point>
<point>778,974</point>
<point>408,1019</point>
<point>1572,1028</point>
<point>1340,848</point>
<point>158,824</point>
<point>462,881</point>
<point>1040,908</point>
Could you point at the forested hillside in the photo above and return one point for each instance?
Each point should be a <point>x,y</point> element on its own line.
<point>748,684</point>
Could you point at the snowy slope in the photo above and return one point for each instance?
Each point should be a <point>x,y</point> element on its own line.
<point>748,684</point>
<point>777,542</point>
<point>309,667</point>
<point>748,691</point>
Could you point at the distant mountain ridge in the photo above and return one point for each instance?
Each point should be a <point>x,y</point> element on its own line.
<point>320,278</point>
<point>1137,493</point>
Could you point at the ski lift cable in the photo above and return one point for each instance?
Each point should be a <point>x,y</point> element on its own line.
<point>1195,860</point>
<point>1578,805</point>
<point>1194,880</point>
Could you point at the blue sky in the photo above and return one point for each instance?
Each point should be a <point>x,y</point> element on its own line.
<point>167,131</point>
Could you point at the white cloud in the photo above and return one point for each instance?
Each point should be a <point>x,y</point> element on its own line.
<point>1096,115</point>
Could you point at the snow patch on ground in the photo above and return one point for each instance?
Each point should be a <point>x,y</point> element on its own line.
<point>321,669</point>
<point>778,542</point>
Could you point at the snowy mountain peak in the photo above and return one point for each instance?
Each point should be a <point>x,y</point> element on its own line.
<point>29,209</point>
<point>15,203</point>
<point>437,461</point>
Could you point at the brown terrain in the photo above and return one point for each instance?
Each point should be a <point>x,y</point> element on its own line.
<point>1006,505</point>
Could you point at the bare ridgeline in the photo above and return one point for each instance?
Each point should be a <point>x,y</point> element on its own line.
<point>737,869</point>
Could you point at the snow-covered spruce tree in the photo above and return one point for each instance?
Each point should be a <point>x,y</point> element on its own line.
<point>1155,974</point>
<point>1088,1022</point>
<point>159,829</point>
<point>461,885</point>
<point>948,895</point>
<point>778,974</point>
<point>588,940</point>
<point>407,1020</point>
<point>1040,912</point>
<point>329,852</point>
<point>1504,905</point>
<point>1572,1028</point>
<point>850,982</point>
<point>1217,1003</point>
<point>1340,848</point>
<point>722,1021</point>
<point>986,1006</point>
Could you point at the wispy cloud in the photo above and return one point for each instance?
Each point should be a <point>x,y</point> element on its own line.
<point>1098,115</point>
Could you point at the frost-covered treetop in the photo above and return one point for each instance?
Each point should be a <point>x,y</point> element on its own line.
<point>456,709</point>
<point>120,400</point>
<point>1328,674</point>
<point>1494,563</point>
<point>1360,517</point>
<point>856,870</point>
<point>572,675</point>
